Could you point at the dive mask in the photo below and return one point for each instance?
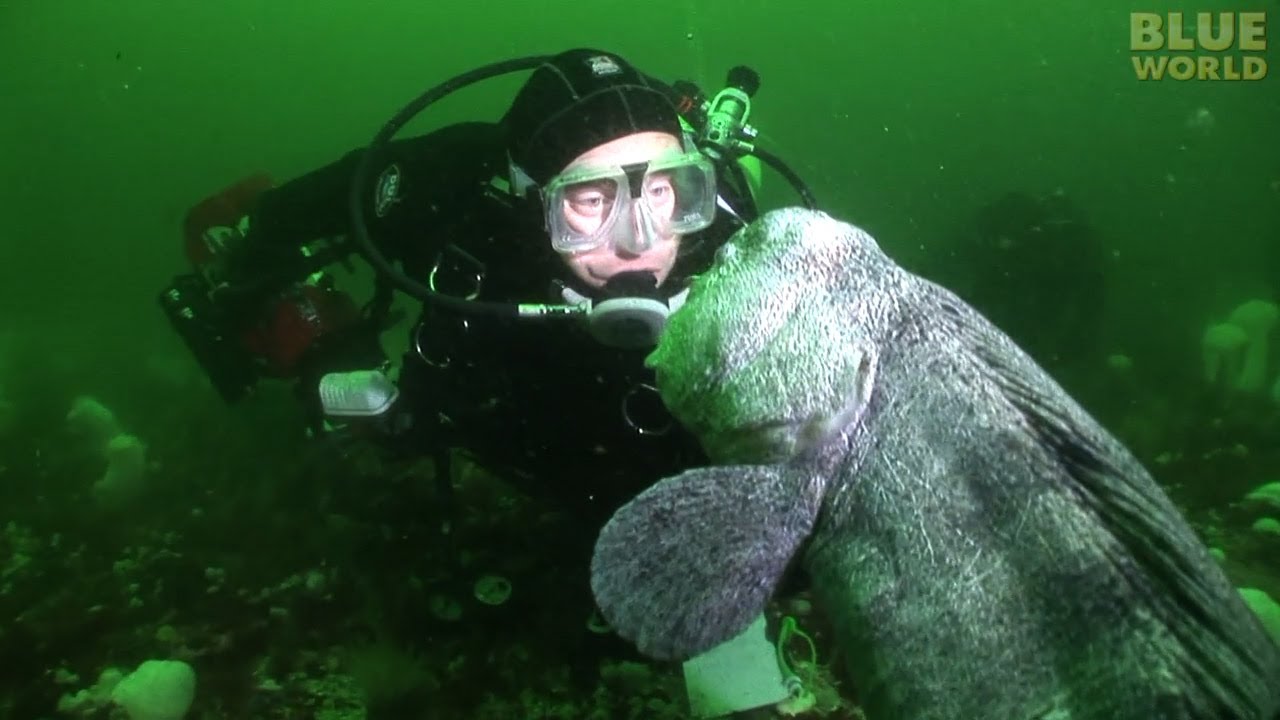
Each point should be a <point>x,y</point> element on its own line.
<point>631,207</point>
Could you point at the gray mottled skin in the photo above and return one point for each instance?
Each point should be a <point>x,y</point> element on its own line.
<point>984,547</point>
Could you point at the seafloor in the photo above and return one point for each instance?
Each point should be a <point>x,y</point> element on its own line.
<point>303,578</point>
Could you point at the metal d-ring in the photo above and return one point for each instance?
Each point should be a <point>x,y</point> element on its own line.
<point>477,277</point>
<point>628,412</point>
<point>417,348</point>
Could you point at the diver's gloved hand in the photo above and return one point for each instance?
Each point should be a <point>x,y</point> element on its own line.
<point>248,269</point>
<point>215,228</point>
<point>223,244</point>
<point>237,269</point>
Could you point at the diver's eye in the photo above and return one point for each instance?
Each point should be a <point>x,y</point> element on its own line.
<point>658,186</point>
<point>590,199</point>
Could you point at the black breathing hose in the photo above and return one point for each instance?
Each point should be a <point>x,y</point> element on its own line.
<point>785,171</point>
<point>359,182</point>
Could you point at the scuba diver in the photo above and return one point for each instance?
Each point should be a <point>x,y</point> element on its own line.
<point>547,250</point>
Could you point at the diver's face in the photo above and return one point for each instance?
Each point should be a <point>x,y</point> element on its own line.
<point>583,211</point>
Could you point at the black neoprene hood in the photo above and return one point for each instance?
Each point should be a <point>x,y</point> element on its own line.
<point>577,100</point>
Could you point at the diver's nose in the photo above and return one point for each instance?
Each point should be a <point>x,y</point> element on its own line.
<point>635,240</point>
